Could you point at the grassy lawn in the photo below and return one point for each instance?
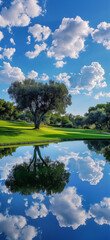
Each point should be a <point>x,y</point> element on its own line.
<point>18,132</point>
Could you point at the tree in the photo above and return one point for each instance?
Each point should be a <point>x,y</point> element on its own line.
<point>100,147</point>
<point>40,98</point>
<point>39,174</point>
<point>8,111</point>
<point>4,152</point>
<point>97,117</point>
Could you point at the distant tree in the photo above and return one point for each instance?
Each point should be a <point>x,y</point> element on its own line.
<point>78,121</point>
<point>65,120</point>
<point>40,98</point>
<point>39,174</point>
<point>8,111</point>
<point>97,117</point>
<point>107,110</point>
<point>100,147</point>
<point>4,152</point>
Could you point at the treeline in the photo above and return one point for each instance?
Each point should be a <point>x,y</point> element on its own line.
<point>97,117</point>
<point>8,111</point>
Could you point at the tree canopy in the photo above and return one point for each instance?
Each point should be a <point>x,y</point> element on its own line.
<point>40,98</point>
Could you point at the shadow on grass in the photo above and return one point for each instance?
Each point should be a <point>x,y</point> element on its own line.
<point>8,131</point>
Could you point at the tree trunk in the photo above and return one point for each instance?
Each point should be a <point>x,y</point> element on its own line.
<point>37,120</point>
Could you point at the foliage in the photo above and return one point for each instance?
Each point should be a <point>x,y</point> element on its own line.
<point>39,174</point>
<point>7,151</point>
<point>8,111</point>
<point>40,98</point>
<point>100,147</point>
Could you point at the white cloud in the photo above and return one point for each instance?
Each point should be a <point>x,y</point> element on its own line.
<point>14,227</point>
<point>26,203</point>
<point>37,210</point>
<point>74,92</point>
<point>9,200</point>
<point>8,52</point>
<point>40,33</point>
<point>90,170</point>
<point>63,77</point>
<point>37,51</point>
<point>43,77</point>
<point>6,164</point>
<point>28,40</point>
<point>69,38</point>
<point>10,73</point>
<point>12,41</point>
<point>1,36</point>
<point>90,77</point>
<point>19,13</point>
<point>101,212</point>
<point>5,90</point>
<point>28,233</point>
<point>60,64</point>
<point>33,74</point>
<point>68,209</point>
<point>102,34</point>
<point>38,196</point>
<point>102,94</point>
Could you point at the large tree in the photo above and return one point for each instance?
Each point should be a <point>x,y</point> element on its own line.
<point>40,98</point>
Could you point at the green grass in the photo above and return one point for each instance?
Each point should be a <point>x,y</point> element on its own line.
<point>18,132</point>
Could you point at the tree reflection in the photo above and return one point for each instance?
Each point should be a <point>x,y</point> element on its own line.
<point>4,152</point>
<point>100,147</point>
<point>38,174</point>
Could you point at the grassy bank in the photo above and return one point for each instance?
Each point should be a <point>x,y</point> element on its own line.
<point>18,132</point>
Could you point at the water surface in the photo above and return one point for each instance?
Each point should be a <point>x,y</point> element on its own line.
<point>56,191</point>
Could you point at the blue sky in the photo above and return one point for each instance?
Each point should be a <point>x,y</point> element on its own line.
<point>68,41</point>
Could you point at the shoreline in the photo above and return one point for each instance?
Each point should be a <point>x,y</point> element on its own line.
<point>51,141</point>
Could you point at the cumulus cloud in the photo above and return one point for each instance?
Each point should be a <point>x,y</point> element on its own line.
<point>43,77</point>
<point>101,212</point>
<point>60,64</point>
<point>12,41</point>
<point>90,170</point>
<point>74,92</point>
<point>14,227</point>
<point>102,94</point>
<point>6,164</point>
<point>28,40</point>
<point>63,77</point>
<point>40,33</point>
<point>68,209</point>
<point>69,38</point>
<point>9,73</point>
<point>9,200</point>
<point>37,51</point>
<point>19,13</point>
<point>38,196</point>
<point>1,36</point>
<point>90,77</point>
<point>33,74</point>
<point>102,34</point>
<point>8,52</point>
<point>37,210</point>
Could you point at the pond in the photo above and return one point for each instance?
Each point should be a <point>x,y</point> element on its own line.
<point>56,191</point>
